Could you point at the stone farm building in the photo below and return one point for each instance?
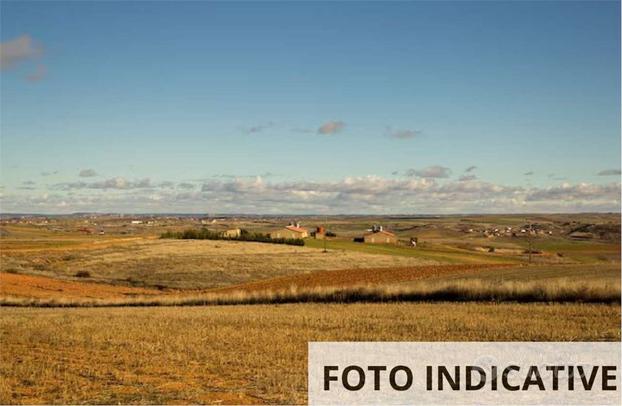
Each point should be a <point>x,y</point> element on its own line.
<point>232,233</point>
<point>380,237</point>
<point>291,231</point>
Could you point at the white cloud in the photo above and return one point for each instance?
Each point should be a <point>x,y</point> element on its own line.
<point>403,134</point>
<point>167,184</point>
<point>17,50</point>
<point>258,128</point>
<point>610,172</point>
<point>87,173</point>
<point>185,185</point>
<point>467,178</point>
<point>434,171</point>
<point>331,127</point>
<point>113,183</point>
<point>578,192</point>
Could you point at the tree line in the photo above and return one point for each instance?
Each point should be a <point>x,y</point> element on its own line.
<point>245,235</point>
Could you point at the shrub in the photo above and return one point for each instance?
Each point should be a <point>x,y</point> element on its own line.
<point>532,252</point>
<point>40,267</point>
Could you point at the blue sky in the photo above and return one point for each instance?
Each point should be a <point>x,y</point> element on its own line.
<point>310,107</point>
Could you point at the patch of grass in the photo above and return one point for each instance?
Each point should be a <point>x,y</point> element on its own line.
<point>579,251</point>
<point>433,253</point>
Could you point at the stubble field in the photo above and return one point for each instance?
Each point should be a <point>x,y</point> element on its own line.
<point>241,354</point>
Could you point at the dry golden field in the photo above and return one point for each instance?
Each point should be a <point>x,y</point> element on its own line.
<point>240,354</point>
<point>187,264</point>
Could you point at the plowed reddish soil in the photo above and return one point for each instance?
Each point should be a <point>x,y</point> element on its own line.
<point>29,286</point>
<point>48,288</point>
<point>356,277</point>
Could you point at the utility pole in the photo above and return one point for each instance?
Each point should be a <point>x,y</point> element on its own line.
<point>530,242</point>
<point>325,231</point>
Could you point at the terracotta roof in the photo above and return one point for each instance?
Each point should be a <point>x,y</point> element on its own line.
<point>297,229</point>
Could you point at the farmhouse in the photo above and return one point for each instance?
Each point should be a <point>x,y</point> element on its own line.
<point>232,233</point>
<point>291,231</point>
<point>378,235</point>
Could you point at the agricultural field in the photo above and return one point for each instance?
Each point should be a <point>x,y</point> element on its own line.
<point>188,264</point>
<point>240,354</point>
<point>135,318</point>
<point>134,255</point>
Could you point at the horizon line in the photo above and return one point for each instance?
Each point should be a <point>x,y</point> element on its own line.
<point>207,214</point>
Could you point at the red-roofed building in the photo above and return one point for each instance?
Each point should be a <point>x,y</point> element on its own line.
<point>380,237</point>
<point>291,231</point>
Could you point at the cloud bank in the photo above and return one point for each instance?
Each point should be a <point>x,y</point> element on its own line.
<point>87,173</point>
<point>610,172</point>
<point>119,183</point>
<point>367,194</point>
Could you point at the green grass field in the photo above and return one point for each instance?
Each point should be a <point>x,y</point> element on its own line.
<point>554,250</point>
<point>429,252</point>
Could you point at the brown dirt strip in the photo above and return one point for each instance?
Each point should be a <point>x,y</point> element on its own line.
<point>48,288</point>
<point>358,277</point>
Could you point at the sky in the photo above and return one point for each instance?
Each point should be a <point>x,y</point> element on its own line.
<point>309,107</point>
